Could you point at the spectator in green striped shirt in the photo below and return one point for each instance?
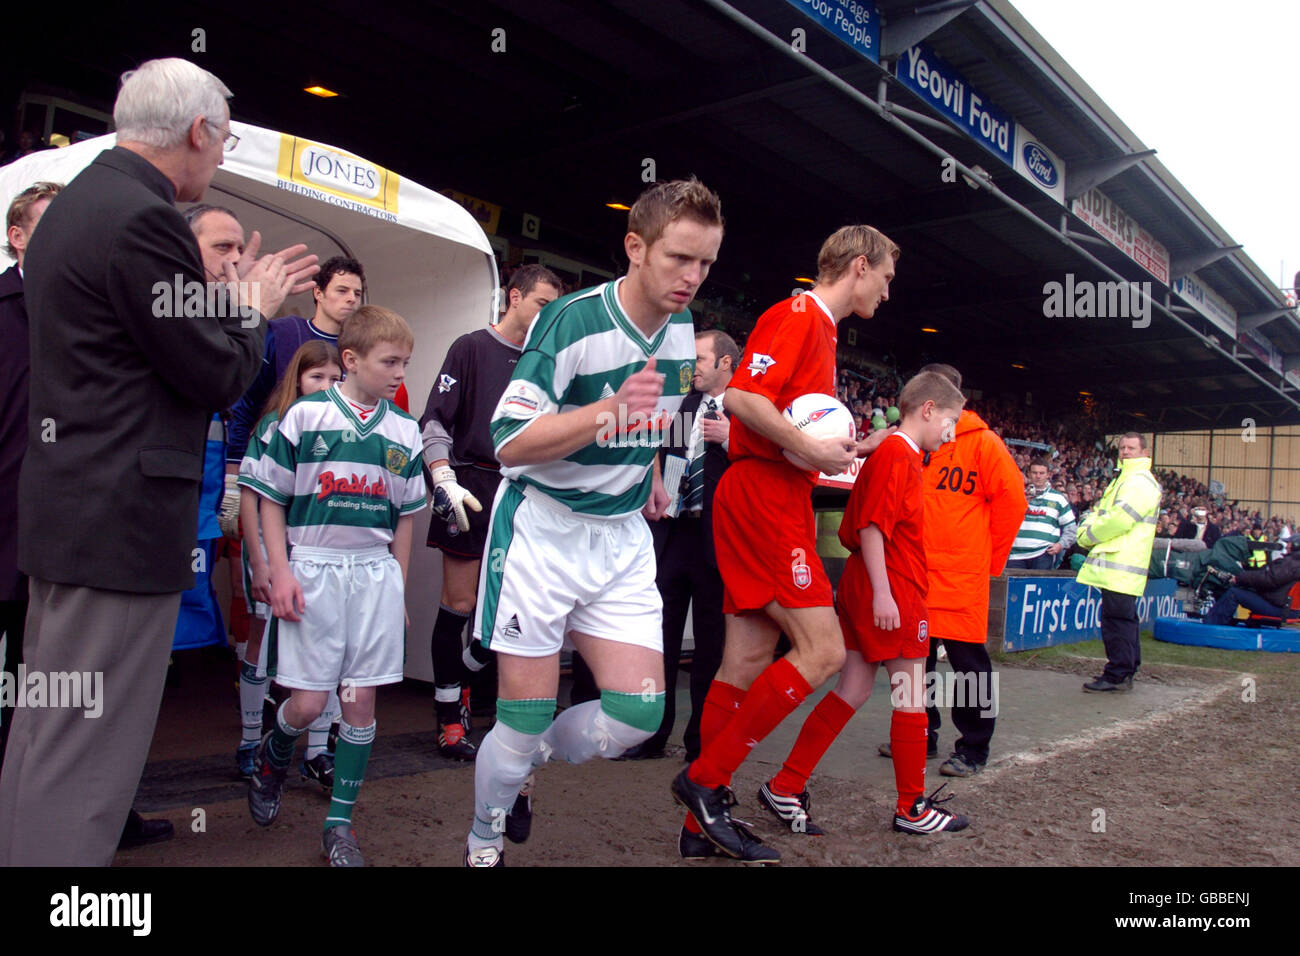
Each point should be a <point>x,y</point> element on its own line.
<point>1049,525</point>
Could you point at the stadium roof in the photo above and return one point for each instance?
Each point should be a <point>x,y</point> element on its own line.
<point>797,142</point>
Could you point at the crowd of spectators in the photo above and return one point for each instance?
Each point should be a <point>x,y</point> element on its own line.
<point>1081,464</point>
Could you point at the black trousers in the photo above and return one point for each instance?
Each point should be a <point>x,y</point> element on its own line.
<point>687,582</point>
<point>1119,632</point>
<point>974,701</point>
<point>13,616</point>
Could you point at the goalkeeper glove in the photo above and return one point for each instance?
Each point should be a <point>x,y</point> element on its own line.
<point>228,515</point>
<point>450,500</point>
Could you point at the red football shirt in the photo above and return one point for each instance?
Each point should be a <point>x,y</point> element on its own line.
<point>791,352</point>
<point>887,494</point>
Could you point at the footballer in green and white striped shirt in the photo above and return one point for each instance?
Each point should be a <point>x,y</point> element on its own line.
<point>569,558</point>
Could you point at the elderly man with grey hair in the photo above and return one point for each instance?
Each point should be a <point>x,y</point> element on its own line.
<point>123,383</point>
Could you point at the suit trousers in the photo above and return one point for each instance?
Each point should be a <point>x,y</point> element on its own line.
<point>70,775</point>
<point>13,618</point>
<point>688,582</point>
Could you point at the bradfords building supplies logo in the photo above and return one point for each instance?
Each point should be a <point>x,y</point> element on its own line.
<point>334,176</point>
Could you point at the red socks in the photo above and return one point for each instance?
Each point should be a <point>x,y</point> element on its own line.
<point>720,705</point>
<point>819,732</point>
<point>908,735</point>
<point>771,698</point>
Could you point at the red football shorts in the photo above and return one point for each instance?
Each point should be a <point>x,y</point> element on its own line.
<point>909,641</point>
<point>766,538</point>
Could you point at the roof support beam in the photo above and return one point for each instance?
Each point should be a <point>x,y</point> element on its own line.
<point>1256,319</point>
<point>1080,177</point>
<point>1185,265</point>
<point>902,33</point>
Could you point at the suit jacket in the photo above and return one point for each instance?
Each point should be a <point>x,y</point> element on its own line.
<point>13,428</point>
<point>1186,529</point>
<point>715,463</point>
<point>122,387</point>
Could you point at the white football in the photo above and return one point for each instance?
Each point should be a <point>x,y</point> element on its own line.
<point>822,416</point>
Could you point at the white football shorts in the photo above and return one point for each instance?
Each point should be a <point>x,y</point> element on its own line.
<point>354,626</point>
<point>548,571</point>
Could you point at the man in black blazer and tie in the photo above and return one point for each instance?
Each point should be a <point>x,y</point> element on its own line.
<point>688,569</point>
<point>124,379</point>
<point>24,213</point>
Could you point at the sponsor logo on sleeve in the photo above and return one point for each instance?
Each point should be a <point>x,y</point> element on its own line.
<point>445,382</point>
<point>521,400</point>
<point>760,363</point>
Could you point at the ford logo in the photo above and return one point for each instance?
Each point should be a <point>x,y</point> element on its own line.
<point>1040,165</point>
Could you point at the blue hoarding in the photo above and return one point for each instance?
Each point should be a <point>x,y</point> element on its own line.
<point>1042,612</point>
<point>921,71</point>
<point>855,23</point>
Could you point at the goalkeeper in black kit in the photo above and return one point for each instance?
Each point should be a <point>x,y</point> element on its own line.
<point>464,474</point>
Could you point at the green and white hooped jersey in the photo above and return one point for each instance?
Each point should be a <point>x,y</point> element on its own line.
<point>580,349</point>
<point>344,482</point>
<point>1047,516</point>
<point>258,439</point>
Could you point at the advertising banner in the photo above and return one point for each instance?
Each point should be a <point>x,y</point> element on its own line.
<point>1043,612</point>
<point>1207,302</point>
<point>1123,232</point>
<point>921,71</point>
<point>855,23</point>
<point>1039,165</point>
<point>1259,346</point>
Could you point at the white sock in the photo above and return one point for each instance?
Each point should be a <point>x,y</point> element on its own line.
<point>251,691</point>
<point>505,759</point>
<point>319,731</point>
<point>586,731</point>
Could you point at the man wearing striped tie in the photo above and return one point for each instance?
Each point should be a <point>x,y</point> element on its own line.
<point>688,568</point>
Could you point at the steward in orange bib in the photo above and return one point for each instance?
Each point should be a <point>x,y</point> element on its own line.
<point>974,505</point>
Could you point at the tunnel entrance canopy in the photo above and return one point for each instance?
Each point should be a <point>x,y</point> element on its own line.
<point>804,115</point>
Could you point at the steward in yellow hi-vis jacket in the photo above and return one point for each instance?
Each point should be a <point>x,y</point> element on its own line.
<point>1119,533</point>
<point>1258,556</point>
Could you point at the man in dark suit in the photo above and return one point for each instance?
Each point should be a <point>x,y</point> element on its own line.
<point>123,381</point>
<point>1199,526</point>
<point>688,569</point>
<point>24,213</point>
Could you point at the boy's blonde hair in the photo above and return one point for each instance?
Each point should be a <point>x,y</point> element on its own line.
<point>370,325</point>
<point>929,387</point>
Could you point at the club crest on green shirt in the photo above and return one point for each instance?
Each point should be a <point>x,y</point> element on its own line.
<point>396,460</point>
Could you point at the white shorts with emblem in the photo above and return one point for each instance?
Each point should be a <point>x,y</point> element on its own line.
<point>353,627</point>
<point>548,571</point>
